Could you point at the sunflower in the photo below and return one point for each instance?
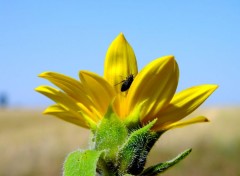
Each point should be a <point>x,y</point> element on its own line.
<point>147,95</point>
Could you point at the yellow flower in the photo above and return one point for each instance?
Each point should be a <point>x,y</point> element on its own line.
<point>150,95</point>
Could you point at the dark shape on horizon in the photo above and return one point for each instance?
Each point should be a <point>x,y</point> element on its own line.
<point>3,100</point>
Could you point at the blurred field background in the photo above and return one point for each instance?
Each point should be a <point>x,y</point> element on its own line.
<point>35,145</point>
<point>68,36</point>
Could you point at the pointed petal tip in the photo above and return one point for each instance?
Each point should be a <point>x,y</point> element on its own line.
<point>45,89</point>
<point>50,111</point>
<point>44,74</point>
<point>167,60</point>
<point>121,37</point>
<point>170,59</point>
<point>38,88</point>
<point>215,86</point>
<point>83,73</point>
<point>80,72</point>
<point>45,112</point>
<point>201,119</point>
<point>212,87</point>
<point>206,120</point>
<point>50,74</point>
<point>184,123</point>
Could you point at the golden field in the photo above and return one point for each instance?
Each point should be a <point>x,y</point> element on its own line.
<point>35,145</point>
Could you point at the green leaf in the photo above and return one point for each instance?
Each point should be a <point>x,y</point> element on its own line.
<point>133,154</point>
<point>110,134</point>
<point>82,163</point>
<point>161,167</point>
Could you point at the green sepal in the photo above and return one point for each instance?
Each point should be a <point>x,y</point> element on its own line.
<point>132,156</point>
<point>110,135</point>
<point>132,121</point>
<point>82,163</point>
<point>161,167</point>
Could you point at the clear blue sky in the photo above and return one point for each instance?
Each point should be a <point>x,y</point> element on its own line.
<point>68,36</point>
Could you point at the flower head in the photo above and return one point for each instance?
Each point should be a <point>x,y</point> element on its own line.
<point>149,95</point>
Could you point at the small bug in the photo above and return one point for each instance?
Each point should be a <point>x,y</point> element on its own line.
<point>126,83</point>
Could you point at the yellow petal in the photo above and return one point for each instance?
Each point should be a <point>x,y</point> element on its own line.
<point>61,113</point>
<point>68,103</point>
<point>181,124</point>
<point>69,85</point>
<point>100,91</point>
<point>185,102</point>
<point>120,62</point>
<point>155,85</point>
<point>119,105</point>
<point>133,119</point>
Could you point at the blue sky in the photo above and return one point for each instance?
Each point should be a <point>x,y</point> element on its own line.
<point>68,36</point>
